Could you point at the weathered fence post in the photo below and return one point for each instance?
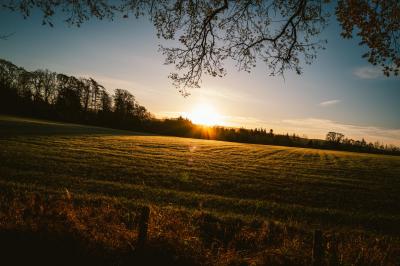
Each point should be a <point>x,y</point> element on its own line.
<point>143,226</point>
<point>333,248</point>
<point>318,249</point>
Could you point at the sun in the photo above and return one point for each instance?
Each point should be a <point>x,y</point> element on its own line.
<point>205,114</point>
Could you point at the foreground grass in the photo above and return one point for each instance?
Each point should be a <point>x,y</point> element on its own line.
<point>59,229</point>
<point>347,193</point>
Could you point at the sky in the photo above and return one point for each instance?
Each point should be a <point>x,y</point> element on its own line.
<point>339,92</point>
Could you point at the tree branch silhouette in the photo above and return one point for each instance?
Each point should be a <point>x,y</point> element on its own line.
<point>284,34</point>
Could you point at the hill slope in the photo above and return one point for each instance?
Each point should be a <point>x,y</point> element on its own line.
<point>307,186</point>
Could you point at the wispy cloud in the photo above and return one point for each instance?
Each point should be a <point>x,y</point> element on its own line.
<point>315,127</point>
<point>170,114</point>
<point>111,83</point>
<point>223,94</point>
<point>368,72</point>
<point>329,103</point>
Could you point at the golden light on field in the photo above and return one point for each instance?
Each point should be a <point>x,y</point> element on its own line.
<point>205,114</point>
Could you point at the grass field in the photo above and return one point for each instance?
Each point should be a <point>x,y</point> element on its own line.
<point>309,188</point>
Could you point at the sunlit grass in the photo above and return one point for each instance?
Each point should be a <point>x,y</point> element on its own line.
<point>212,201</point>
<point>324,188</point>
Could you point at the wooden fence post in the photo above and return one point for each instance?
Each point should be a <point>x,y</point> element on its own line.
<point>333,248</point>
<point>318,249</point>
<point>143,226</point>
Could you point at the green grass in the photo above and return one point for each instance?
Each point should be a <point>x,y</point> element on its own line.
<point>317,188</point>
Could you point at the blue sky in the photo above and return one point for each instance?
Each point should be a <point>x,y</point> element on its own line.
<point>339,91</point>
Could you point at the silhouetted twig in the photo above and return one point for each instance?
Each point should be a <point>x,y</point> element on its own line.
<point>5,37</point>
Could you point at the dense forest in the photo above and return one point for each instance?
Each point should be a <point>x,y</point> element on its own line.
<point>50,95</point>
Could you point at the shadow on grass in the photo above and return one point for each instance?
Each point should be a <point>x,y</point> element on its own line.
<point>45,248</point>
<point>16,126</point>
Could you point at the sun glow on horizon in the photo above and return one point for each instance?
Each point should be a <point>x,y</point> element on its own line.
<point>205,114</point>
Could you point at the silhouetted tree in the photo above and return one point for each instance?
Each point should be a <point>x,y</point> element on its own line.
<point>96,89</point>
<point>106,102</point>
<point>84,87</point>
<point>49,80</point>
<point>104,113</point>
<point>68,101</point>
<point>25,87</point>
<point>124,105</point>
<point>9,74</point>
<point>334,137</point>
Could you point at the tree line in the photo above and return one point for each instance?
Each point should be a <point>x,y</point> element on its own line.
<point>50,95</point>
<point>335,140</point>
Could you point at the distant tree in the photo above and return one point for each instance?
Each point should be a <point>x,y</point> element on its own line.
<point>97,90</point>
<point>106,102</point>
<point>84,87</point>
<point>124,103</point>
<point>25,86</point>
<point>334,137</point>
<point>141,113</point>
<point>49,84</point>
<point>363,143</point>
<point>68,101</point>
<point>377,144</point>
<point>37,85</point>
<point>104,113</point>
<point>283,34</point>
<point>8,74</point>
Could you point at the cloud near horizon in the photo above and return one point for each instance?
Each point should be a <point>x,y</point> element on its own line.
<point>315,127</point>
<point>329,103</point>
<point>111,83</point>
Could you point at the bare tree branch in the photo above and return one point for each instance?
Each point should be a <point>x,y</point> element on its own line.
<point>284,34</point>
